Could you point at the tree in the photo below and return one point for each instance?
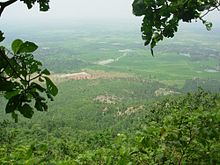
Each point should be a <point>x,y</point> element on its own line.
<point>43,4</point>
<point>162,17</point>
<point>21,76</point>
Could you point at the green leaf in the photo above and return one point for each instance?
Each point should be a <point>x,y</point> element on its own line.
<point>26,110</point>
<point>208,26</point>
<point>27,47</point>
<point>9,71</point>
<point>44,5</point>
<point>139,7</point>
<point>24,82</point>
<point>46,72</point>
<point>51,87</point>
<point>33,69</point>
<point>12,104</point>
<point>10,94</point>
<point>40,105</point>
<point>15,46</point>
<point>14,116</point>
<point>49,96</point>
<point>37,86</point>
<point>29,3</point>
<point>152,51</point>
<point>1,36</point>
<point>6,85</point>
<point>2,62</point>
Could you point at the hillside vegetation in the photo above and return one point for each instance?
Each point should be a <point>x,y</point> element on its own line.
<point>119,105</point>
<point>174,130</point>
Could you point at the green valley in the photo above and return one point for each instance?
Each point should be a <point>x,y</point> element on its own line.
<point>119,105</point>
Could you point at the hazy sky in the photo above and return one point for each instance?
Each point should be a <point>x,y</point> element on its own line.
<point>70,10</point>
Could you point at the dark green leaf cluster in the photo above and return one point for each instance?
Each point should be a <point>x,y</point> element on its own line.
<point>1,36</point>
<point>162,17</point>
<point>21,75</point>
<point>44,4</point>
<point>22,78</point>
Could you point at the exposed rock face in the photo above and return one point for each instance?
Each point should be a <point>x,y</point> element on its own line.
<point>107,99</point>
<point>91,75</point>
<point>164,92</point>
<point>130,110</point>
<point>78,76</point>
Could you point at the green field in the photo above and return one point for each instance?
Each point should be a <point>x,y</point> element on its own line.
<point>129,89</point>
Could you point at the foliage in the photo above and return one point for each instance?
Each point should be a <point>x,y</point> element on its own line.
<point>176,130</point>
<point>188,134</point>
<point>162,17</point>
<point>19,72</point>
<point>43,4</point>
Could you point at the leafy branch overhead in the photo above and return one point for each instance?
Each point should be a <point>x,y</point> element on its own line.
<point>43,4</point>
<point>162,17</point>
<point>22,78</point>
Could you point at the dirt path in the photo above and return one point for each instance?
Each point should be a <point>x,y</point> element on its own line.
<point>109,61</point>
<point>89,74</point>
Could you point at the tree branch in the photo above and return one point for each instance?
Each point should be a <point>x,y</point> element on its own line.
<point>3,5</point>
<point>31,79</point>
<point>10,65</point>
